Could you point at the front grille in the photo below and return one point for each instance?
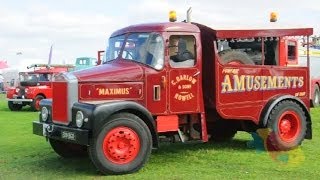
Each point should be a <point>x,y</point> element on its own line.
<point>59,102</point>
<point>64,95</point>
<point>22,91</point>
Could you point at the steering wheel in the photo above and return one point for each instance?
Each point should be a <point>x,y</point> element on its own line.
<point>187,55</point>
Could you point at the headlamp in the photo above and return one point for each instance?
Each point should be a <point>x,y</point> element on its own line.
<point>79,119</point>
<point>44,113</point>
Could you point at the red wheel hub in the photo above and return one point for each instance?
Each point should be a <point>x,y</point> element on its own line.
<point>37,104</point>
<point>289,126</point>
<point>121,145</point>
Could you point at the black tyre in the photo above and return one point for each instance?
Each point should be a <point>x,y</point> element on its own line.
<point>222,136</point>
<point>235,57</point>
<point>287,123</point>
<point>68,150</point>
<point>316,96</point>
<point>35,106</point>
<point>222,131</point>
<point>122,145</point>
<point>14,107</point>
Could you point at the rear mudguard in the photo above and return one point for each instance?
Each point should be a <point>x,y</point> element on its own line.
<point>274,101</point>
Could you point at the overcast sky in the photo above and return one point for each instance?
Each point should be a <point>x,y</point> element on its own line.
<point>81,28</point>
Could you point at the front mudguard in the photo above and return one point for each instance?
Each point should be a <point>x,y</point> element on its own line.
<point>102,112</point>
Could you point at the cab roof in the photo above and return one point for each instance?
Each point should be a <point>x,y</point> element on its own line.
<point>158,27</point>
<point>230,33</point>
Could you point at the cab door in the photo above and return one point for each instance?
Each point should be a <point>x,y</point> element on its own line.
<point>184,74</point>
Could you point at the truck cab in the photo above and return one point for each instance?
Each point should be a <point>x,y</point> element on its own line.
<point>85,62</point>
<point>179,81</point>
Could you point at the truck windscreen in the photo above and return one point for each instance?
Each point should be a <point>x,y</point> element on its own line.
<point>146,48</point>
<point>32,77</point>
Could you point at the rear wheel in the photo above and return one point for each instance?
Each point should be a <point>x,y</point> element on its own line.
<point>68,150</point>
<point>14,107</point>
<point>223,135</point>
<point>122,145</point>
<point>35,106</point>
<point>316,96</point>
<point>287,122</point>
<point>222,131</point>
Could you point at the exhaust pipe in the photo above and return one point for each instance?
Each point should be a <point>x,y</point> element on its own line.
<point>189,11</point>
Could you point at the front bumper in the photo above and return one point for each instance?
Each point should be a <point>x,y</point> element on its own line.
<point>20,100</point>
<point>62,133</point>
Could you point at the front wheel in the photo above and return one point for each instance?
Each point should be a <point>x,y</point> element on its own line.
<point>122,145</point>
<point>35,106</point>
<point>14,107</point>
<point>287,122</point>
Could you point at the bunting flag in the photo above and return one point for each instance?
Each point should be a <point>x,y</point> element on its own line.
<point>3,64</point>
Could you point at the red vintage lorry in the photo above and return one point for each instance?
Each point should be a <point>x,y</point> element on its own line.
<point>34,86</point>
<point>186,80</point>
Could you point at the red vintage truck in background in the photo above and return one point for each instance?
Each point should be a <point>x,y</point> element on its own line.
<point>186,80</point>
<point>34,86</point>
<point>314,72</point>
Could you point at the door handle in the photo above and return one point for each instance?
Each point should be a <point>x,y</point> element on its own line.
<point>163,81</point>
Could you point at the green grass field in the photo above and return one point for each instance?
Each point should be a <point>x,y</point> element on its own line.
<point>27,156</point>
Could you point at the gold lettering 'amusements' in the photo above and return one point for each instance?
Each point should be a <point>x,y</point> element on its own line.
<point>241,83</point>
<point>113,91</point>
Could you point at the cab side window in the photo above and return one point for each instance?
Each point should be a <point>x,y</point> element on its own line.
<point>292,52</point>
<point>182,51</point>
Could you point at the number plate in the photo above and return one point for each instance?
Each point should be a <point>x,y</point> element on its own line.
<point>68,135</point>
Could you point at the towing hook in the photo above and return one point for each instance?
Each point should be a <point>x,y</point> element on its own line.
<point>49,129</point>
